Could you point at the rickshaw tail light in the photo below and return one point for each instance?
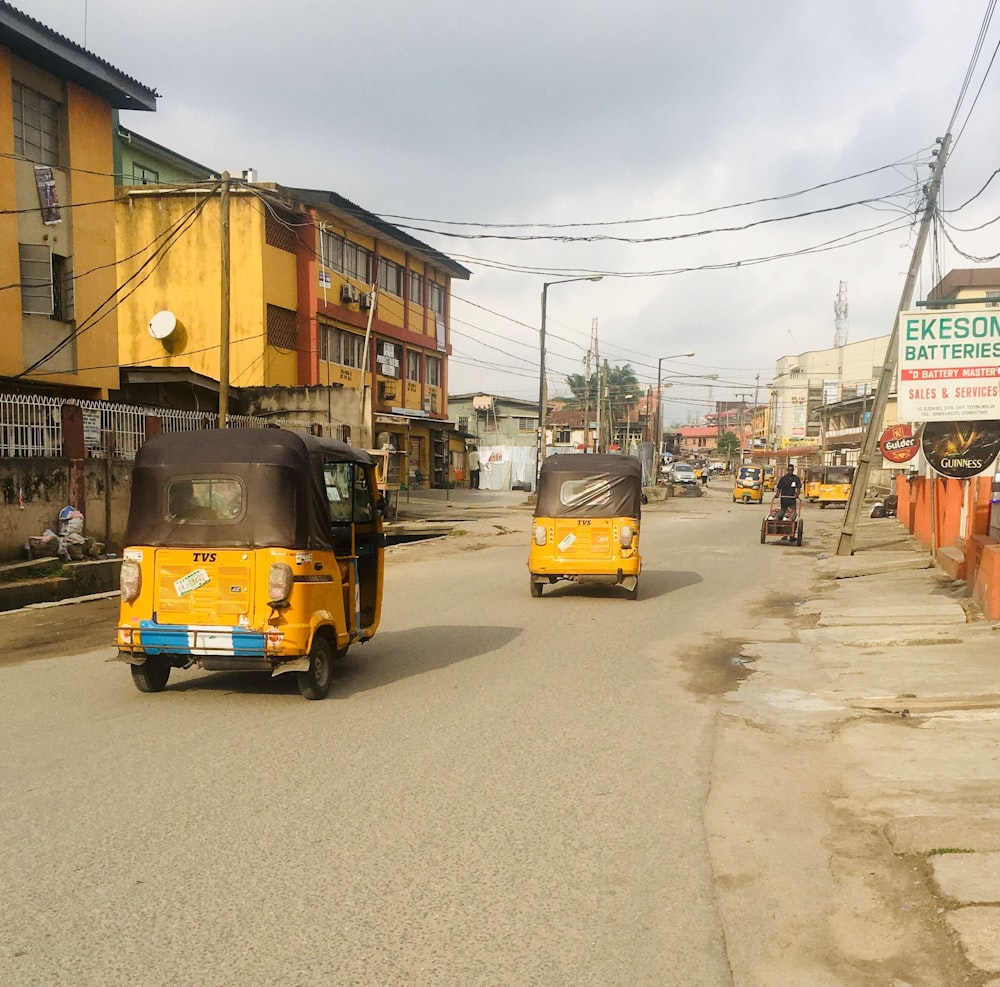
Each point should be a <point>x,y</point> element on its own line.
<point>279,582</point>
<point>540,534</point>
<point>627,534</point>
<point>130,580</point>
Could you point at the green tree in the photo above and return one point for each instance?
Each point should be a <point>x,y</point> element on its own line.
<point>620,383</point>
<point>729,444</point>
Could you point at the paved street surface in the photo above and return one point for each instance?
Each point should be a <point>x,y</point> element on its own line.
<point>747,776</point>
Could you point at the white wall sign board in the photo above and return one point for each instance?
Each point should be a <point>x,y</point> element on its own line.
<point>949,365</point>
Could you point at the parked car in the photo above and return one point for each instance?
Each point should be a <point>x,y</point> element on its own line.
<point>684,473</point>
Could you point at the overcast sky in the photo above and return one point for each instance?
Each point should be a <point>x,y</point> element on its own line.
<point>519,117</point>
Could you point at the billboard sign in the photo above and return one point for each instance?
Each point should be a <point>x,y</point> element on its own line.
<point>949,365</point>
<point>961,449</point>
<point>899,444</point>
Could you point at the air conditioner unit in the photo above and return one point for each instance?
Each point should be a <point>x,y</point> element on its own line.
<point>348,294</point>
<point>365,301</point>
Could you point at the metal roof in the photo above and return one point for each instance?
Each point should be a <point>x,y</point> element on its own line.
<point>33,42</point>
<point>377,226</point>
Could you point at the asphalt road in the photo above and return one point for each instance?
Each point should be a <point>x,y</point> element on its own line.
<point>499,790</point>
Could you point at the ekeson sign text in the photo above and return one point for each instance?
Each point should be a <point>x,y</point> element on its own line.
<point>949,365</point>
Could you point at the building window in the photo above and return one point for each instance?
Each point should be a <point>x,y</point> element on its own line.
<point>562,436</point>
<point>281,325</point>
<point>141,175</point>
<point>463,423</point>
<point>36,125</point>
<point>390,277</point>
<point>331,250</point>
<point>435,297</point>
<point>357,262</point>
<point>341,347</point>
<point>433,371</point>
<point>46,282</point>
<point>416,288</point>
<point>413,366</point>
<point>527,424</point>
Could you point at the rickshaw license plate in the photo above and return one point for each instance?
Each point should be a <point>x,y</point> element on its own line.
<point>192,581</point>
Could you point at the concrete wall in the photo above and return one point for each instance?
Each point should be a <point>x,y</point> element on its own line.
<point>34,491</point>
<point>956,521</point>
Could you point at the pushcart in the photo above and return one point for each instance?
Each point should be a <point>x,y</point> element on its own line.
<point>785,522</point>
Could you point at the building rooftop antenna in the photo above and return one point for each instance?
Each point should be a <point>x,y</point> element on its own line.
<point>840,317</point>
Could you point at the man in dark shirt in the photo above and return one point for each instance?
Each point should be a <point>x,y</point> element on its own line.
<point>789,489</point>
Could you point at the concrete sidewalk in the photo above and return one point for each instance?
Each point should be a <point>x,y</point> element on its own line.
<point>891,663</point>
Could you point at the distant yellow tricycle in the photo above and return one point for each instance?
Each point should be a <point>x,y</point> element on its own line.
<point>768,477</point>
<point>835,486</point>
<point>811,483</point>
<point>748,485</point>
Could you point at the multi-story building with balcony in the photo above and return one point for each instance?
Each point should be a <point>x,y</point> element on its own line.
<point>57,218</point>
<point>325,315</point>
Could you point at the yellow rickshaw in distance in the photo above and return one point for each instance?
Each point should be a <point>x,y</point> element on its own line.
<point>811,483</point>
<point>768,477</point>
<point>249,550</point>
<point>835,486</point>
<point>586,523</point>
<point>748,484</point>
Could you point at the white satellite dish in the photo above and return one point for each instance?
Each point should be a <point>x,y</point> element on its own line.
<point>162,324</point>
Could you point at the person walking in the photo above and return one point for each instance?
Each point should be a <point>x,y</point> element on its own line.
<point>473,461</point>
<point>789,489</point>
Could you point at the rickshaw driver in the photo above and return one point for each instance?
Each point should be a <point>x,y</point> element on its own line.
<point>789,489</point>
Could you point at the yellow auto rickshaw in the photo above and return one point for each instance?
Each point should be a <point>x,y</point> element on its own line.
<point>586,524</point>
<point>768,477</point>
<point>835,486</point>
<point>811,483</point>
<point>249,550</point>
<point>748,484</point>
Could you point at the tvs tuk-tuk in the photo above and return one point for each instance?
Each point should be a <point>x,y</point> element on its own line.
<point>810,483</point>
<point>748,484</point>
<point>586,524</point>
<point>768,477</point>
<point>249,550</point>
<point>835,486</point>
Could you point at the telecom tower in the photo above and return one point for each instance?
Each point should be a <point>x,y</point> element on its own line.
<point>840,317</point>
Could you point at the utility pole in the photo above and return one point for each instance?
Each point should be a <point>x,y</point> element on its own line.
<point>743,415</point>
<point>845,545</point>
<point>224,301</point>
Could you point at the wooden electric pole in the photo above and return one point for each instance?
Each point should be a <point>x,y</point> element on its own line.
<point>225,302</point>
<point>869,445</point>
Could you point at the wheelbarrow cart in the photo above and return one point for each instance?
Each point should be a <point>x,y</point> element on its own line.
<point>784,522</point>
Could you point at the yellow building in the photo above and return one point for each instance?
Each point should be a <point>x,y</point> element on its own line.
<point>57,221</point>
<point>335,317</point>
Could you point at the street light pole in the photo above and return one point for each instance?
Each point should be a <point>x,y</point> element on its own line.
<point>659,385</point>
<point>543,397</point>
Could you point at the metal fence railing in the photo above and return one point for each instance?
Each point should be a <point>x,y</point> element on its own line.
<point>31,425</point>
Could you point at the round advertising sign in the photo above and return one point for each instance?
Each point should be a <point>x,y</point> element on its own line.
<point>899,444</point>
<point>961,449</point>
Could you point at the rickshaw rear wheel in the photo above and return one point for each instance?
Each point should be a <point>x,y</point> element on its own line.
<point>633,593</point>
<point>315,684</point>
<point>536,588</point>
<point>798,534</point>
<point>151,675</point>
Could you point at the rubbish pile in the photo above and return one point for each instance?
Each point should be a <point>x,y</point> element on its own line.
<point>70,544</point>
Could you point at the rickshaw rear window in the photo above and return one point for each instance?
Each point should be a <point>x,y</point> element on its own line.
<point>205,499</point>
<point>585,491</point>
<point>749,472</point>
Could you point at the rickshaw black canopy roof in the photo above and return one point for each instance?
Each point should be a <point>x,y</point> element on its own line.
<point>609,486</point>
<point>281,471</point>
